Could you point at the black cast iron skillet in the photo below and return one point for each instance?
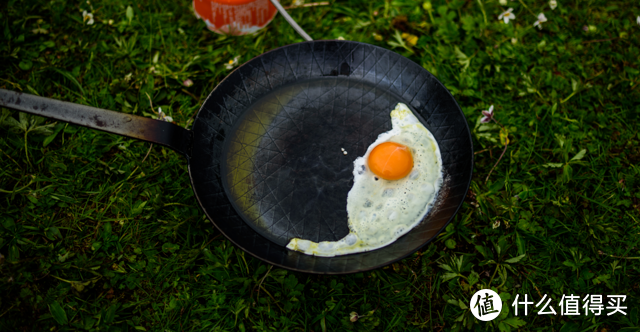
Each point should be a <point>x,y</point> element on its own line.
<point>265,156</point>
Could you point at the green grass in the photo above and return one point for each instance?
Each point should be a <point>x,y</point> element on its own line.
<point>95,236</point>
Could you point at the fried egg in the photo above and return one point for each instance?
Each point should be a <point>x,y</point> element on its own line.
<point>394,186</point>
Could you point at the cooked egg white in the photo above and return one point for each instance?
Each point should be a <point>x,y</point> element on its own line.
<point>380,211</point>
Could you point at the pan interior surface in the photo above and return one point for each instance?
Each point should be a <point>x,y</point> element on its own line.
<point>285,170</point>
<point>267,163</point>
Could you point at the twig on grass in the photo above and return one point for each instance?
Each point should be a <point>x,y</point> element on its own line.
<point>215,237</point>
<point>145,156</point>
<point>598,40</point>
<point>150,145</point>
<point>190,94</point>
<point>614,256</point>
<point>313,4</point>
<point>8,156</point>
<point>261,280</point>
<point>525,6</point>
<point>194,113</point>
<point>488,117</point>
<point>7,310</point>
<point>496,164</point>
<point>485,150</point>
<point>271,296</point>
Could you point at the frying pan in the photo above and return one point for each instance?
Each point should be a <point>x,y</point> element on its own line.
<point>265,150</point>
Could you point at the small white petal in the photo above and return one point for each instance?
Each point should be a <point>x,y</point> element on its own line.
<point>553,4</point>
<point>232,63</point>
<point>542,18</point>
<point>507,15</point>
<point>87,17</point>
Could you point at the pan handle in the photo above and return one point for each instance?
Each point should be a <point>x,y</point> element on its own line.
<point>150,130</point>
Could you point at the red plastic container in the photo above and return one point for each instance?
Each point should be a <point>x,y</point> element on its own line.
<point>235,17</point>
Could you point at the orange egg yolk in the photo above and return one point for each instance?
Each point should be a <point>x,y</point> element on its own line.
<point>390,161</point>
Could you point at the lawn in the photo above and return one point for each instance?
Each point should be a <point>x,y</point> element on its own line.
<point>103,233</point>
